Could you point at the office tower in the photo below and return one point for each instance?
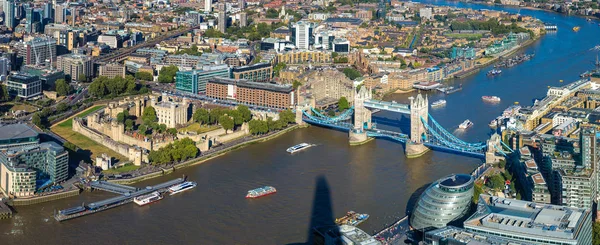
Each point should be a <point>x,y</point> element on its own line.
<point>9,14</point>
<point>48,10</point>
<point>39,50</point>
<point>60,13</point>
<point>207,6</point>
<point>242,4</point>
<point>223,21</point>
<point>75,65</point>
<point>243,19</point>
<point>302,34</point>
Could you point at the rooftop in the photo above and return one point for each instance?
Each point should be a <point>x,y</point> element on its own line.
<point>541,221</point>
<point>538,179</point>
<point>255,85</point>
<point>16,131</point>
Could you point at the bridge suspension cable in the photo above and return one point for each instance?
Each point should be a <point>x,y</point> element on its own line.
<point>344,116</point>
<point>451,136</point>
<point>453,145</point>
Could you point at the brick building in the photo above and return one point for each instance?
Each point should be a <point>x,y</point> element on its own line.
<point>252,93</point>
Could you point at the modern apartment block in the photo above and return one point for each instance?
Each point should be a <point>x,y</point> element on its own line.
<point>195,81</point>
<point>21,168</point>
<point>111,70</point>
<point>17,135</point>
<point>529,222</point>
<point>252,93</point>
<point>260,72</point>
<point>39,51</point>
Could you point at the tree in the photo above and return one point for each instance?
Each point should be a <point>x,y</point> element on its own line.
<point>296,84</point>
<point>287,117</point>
<point>495,182</point>
<point>226,122</point>
<point>351,73</point>
<point>201,116</point>
<point>97,88</point>
<point>4,93</point>
<point>129,124</point>
<point>596,233</point>
<point>244,112</point>
<point>62,107</point>
<point>149,115</point>
<point>258,127</point>
<point>122,117</point>
<point>37,120</point>
<point>280,66</point>
<point>236,116</point>
<point>63,88</point>
<point>162,128</point>
<point>215,114</point>
<point>343,104</point>
<point>143,129</point>
<point>477,190</point>
<point>167,74</point>
<point>172,131</point>
<point>143,75</point>
<point>82,78</point>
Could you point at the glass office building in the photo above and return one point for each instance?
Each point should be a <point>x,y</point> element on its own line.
<point>444,201</point>
<point>195,81</point>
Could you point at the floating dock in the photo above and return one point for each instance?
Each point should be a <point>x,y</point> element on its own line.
<point>126,197</point>
<point>5,211</point>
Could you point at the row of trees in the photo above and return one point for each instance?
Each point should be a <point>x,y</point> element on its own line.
<point>40,119</point>
<point>262,127</point>
<point>491,25</point>
<point>4,93</point>
<point>351,73</point>
<point>228,119</point>
<point>179,150</point>
<point>63,88</point>
<point>167,74</point>
<point>144,75</point>
<point>104,87</point>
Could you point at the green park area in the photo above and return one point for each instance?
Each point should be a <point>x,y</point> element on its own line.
<point>65,130</point>
<point>124,169</point>
<point>199,128</point>
<point>9,107</point>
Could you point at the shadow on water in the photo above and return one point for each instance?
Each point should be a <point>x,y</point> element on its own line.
<point>414,198</point>
<point>398,122</point>
<point>322,213</point>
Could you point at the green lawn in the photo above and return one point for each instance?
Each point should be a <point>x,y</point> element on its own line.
<point>127,168</point>
<point>196,127</point>
<point>65,130</point>
<point>69,123</point>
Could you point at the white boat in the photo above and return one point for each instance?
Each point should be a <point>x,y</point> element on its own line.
<point>493,123</point>
<point>493,99</point>
<point>467,123</point>
<point>148,198</point>
<point>298,147</point>
<point>438,103</point>
<point>182,187</point>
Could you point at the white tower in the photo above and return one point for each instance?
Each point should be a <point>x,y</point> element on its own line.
<point>419,110</point>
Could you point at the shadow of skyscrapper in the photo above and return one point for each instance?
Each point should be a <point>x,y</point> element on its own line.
<point>322,221</point>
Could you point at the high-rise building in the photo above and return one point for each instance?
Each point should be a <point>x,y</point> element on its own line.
<point>21,168</point>
<point>444,201</point>
<point>39,51</point>
<point>111,70</point>
<point>241,4</point>
<point>243,19</point>
<point>60,13</point>
<point>4,68</point>
<point>76,65</point>
<point>195,81</point>
<point>302,34</point>
<point>207,6</point>
<point>48,10</point>
<point>223,21</point>
<point>522,222</point>
<point>9,14</point>
<point>74,15</point>
<point>259,72</point>
<point>30,18</point>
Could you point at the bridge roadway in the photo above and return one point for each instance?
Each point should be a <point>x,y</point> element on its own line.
<point>116,201</point>
<point>122,53</point>
<point>387,106</point>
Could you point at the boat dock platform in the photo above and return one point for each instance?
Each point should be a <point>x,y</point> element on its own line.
<point>112,187</point>
<point>395,233</point>
<point>5,211</point>
<point>127,197</point>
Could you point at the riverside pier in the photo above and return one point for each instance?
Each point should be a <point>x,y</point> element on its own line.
<point>128,193</point>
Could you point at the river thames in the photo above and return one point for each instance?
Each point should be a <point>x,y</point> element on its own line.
<point>374,178</point>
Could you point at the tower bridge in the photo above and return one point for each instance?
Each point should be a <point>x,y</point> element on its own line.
<point>425,132</point>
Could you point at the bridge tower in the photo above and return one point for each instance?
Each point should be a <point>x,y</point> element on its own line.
<point>493,144</point>
<point>419,110</point>
<point>362,115</point>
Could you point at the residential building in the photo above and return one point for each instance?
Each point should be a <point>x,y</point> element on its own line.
<point>260,72</point>
<point>22,168</point>
<point>183,60</point>
<point>302,34</point>
<point>60,13</point>
<point>113,41</point>
<point>305,56</point>
<point>171,113</point>
<point>207,6</point>
<point>426,13</point>
<point>75,65</point>
<point>578,187</point>
<point>17,135</point>
<point>24,86</point>
<point>195,81</point>
<point>112,70</point>
<point>252,93</point>
<point>528,222</point>
<point>327,86</point>
<point>243,18</point>
<point>444,201</point>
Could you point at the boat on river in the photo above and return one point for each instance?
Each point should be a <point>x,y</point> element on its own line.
<point>298,147</point>
<point>182,187</point>
<point>147,199</point>
<point>261,192</point>
<point>576,29</point>
<point>351,218</point>
<point>493,99</point>
<point>466,124</point>
<point>438,103</point>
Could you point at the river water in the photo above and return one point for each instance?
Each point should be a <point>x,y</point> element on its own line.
<point>322,182</point>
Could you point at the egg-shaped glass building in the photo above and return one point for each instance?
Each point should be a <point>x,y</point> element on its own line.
<point>444,201</point>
